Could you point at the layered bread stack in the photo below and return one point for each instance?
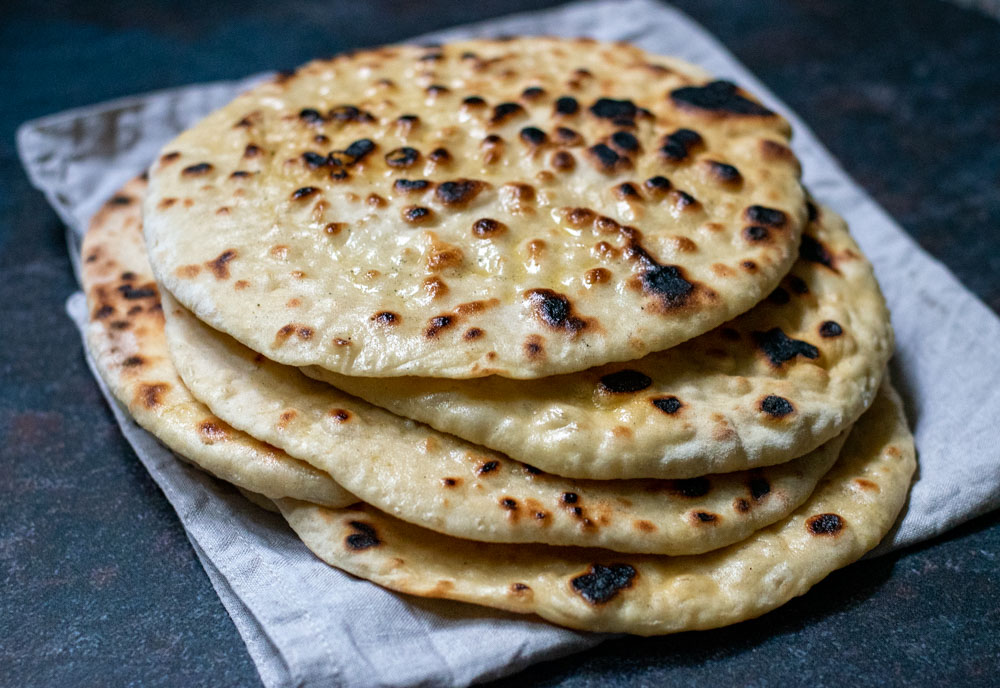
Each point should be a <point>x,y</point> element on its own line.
<point>543,325</point>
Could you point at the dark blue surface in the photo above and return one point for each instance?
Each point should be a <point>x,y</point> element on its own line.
<point>100,586</point>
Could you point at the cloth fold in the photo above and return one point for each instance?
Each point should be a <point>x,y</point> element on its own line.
<point>306,624</point>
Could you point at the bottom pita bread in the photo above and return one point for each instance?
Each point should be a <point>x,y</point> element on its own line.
<point>851,510</point>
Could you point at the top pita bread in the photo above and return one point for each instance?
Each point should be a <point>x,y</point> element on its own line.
<point>519,208</point>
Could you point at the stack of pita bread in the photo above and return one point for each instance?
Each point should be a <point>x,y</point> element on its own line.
<point>543,325</point>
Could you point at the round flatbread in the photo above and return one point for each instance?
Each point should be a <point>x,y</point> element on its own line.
<point>126,340</point>
<point>520,208</point>
<point>446,484</point>
<point>771,385</point>
<point>850,512</point>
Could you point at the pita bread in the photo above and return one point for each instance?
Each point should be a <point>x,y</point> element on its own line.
<point>850,512</point>
<point>125,337</point>
<point>771,385</point>
<point>520,208</point>
<point>446,484</point>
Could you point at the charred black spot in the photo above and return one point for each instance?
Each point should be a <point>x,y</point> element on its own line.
<point>812,210</point>
<point>554,310</point>
<point>602,583</point>
<point>239,174</point>
<point>825,524</point>
<point>779,347</point>
<point>315,160</point>
<point>569,498</point>
<point>509,503</point>
<point>252,150</point>
<point>604,156</point>
<point>505,111</point>
<point>759,487</point>
<point>533,136</point>
<point>658,184</point>
<point>365,536</point>
<point>310,116</point>
<point>474,101</point>
<point>762,215</point>
<point>131,293</point>
<point>349,113</point>
<point>386,318</point>
<point>567,105</point>
<point>691,487</point>
<point>684,199</point>
<point>812,250</point>
<point>608,108</point>
<point>408,185</point>
<point>458,192</point>
<point>104,311</point>
<point>416,214</point>
<point>197,170</point>
<point>625,141</point>
<point>402,157</point>
<point>532,470</point>
<point>625,382</point>
<point>487,227</point>
<point>220,265</point>
<point>439,155</point>
<point>776,406</point>
<point>438,323</point>
<point>705,517</point>
<point>533,93</point>
<point>567,136</point>
<point>407,121</point>
<point>449,482</point>
<point>830,329</point>
<point>755,233</point>
<point>678,145</point>
<point>487,467</point>
<point>625,191</point>
<point>340,415</point>
<point>120,200</point>
<point>431,57</point>
<point>669,405</point>
<point>359,149</point>
<point>668,283</point>
<point>304,192</point>
<point>724,173</point>
<point>437,89</point>
<point>718,96</point>
<point>133,361</point>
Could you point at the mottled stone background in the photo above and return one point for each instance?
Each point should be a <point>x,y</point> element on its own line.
<point>100,586</point>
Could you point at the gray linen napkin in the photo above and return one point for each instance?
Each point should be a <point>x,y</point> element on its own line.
<point>306,624</point>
